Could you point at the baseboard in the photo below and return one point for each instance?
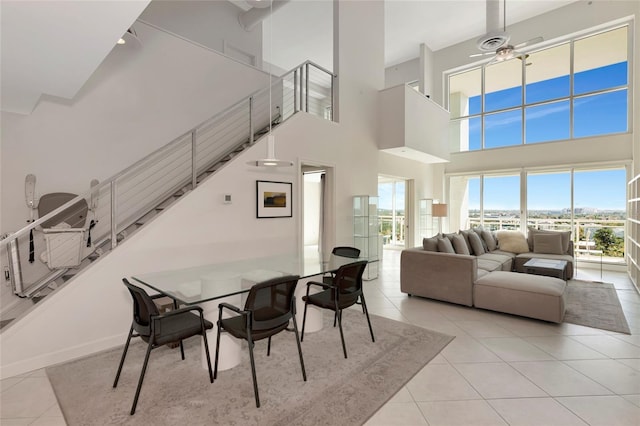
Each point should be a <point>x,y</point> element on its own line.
<point>68,354</point>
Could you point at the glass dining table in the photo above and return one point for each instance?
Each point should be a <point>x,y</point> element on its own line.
<point>209,285</point>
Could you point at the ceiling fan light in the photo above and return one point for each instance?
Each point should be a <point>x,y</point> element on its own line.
<point>260,4</point>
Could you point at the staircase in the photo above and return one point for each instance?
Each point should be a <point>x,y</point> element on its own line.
<point>122,204</point>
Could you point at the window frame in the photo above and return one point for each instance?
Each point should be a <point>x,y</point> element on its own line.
<point>571,40</point>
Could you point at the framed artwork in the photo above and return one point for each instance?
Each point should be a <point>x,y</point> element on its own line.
<point>273,199</point>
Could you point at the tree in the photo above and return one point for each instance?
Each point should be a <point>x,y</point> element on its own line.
<point>605,239</point>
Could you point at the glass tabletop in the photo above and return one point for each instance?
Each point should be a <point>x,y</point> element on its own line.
<point>208,282</point>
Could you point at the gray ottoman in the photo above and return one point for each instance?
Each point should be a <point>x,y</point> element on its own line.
<point>533,296</point>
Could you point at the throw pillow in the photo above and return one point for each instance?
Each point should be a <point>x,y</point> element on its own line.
<point>513,242</point>
<point>476,244</point>
<point>547,243</point>
<point>566,237</point>
<point>459,245</point>
<point>444,246</point>
<point>478,231</point>
<point>465,234</point>
<point>430,244</point>
<point>489,239</point>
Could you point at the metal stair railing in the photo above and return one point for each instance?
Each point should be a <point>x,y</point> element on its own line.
<point>122,203</point>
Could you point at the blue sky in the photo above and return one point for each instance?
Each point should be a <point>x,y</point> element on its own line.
<point>601,189</point>
<point>385,195</point>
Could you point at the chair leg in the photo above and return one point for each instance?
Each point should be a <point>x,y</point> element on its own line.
<point>181,350</point>
<point>366,311</point>
<point>142,373</point>
<point>344,347</point>
<point>269,346</point>
<point>206,348</point>
<point>124,354</point>
<point>253,369</point>
<point>304,321</point>
<point>295,328</point>
<point>215,370</point>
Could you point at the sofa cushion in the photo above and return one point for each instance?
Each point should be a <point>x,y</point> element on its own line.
<point>512,241</point>
<point>476,244</point>
<point>548,243</point>
<point>444,246</point>
<point>489,239</point>
<point>489,265</point>
<point>459,245</point>
<point>430,244</point>
<point>505,261</point>
<point>533,296</point>
<point>566,238</point>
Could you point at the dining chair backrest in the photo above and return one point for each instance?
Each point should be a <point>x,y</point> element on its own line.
<point>348,279</point>
<point>345,251</point>
<point>272,302</point>
<point>143,309</point>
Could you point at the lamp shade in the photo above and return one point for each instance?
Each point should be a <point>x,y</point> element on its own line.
<point>439,210</point>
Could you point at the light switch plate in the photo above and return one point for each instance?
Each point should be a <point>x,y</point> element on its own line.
<point>226,199</point>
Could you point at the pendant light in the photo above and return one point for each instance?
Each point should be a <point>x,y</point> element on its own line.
<point>271,160</point>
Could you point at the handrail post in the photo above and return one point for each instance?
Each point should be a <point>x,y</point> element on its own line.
<point>301,87</point>
<point>194,177</point>
<point>295,91</point>
<point>332,95</point>
<point>251,136</point>
<point>306,84</point>
<point>114,237</point>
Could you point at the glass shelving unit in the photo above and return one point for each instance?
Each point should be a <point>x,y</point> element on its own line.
<point>366,234</point>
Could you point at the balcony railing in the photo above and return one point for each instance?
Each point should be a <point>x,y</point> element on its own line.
<point>583,232</point>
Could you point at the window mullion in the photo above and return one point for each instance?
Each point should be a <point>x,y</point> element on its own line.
<point>571,69</point>
<point>482,118</point>
<point>523,83</point>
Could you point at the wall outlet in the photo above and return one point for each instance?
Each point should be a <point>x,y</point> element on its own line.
<point>226,198</point>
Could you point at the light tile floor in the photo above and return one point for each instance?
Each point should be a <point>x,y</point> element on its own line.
<point>500,369</point>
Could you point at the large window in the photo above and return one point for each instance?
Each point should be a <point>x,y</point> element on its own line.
<point>588,202</point>
<point>572,90</point>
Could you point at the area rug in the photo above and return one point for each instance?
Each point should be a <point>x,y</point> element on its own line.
<point>338,390</point>
<point>595,304</point>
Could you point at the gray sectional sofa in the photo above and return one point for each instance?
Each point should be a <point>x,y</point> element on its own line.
<point>444,269</point>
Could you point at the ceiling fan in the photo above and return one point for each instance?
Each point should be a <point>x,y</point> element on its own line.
<point>495,41</point>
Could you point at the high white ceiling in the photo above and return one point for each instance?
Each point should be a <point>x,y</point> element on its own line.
<point>52,50</point>
<point>303,28</point>
<point>53,47</point>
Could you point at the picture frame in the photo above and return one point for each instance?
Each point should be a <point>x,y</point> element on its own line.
<point>273,199</point>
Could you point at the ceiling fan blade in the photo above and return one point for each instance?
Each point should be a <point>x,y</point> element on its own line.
<point>529,42</point>
<point>477,55</point>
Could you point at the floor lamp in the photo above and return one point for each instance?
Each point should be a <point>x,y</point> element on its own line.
<point>439,211</point>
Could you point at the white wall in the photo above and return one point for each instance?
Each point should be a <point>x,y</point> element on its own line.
<point>312,204</point>
<point>211,23</point>
<point>138,100</point>
<point>406,72</point>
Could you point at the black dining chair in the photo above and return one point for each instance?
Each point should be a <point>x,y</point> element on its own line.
<point>343,293</point>
<point>159,329</point>
<point>267,311</point>
<point>342,251</point>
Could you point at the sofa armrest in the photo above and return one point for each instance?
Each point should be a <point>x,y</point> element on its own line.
<point>441,276</point>
<point>570,251</point>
